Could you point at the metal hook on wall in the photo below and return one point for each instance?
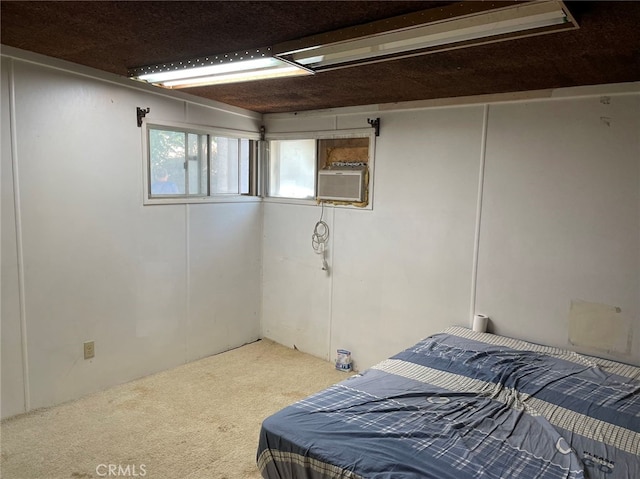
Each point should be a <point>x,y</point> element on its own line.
<point>141,113</point>
<point>375,123</point>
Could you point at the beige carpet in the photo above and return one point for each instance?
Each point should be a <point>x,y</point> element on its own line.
<point>197,421</point>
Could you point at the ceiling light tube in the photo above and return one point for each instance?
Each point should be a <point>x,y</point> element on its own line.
<point>427,31</point>
<point>256,64</point>
<point>211,70</point>
<point>283,71</point>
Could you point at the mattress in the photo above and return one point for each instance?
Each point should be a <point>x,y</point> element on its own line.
<point>464,405</point>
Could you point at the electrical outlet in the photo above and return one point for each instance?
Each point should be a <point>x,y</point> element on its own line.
<point>89,350</point>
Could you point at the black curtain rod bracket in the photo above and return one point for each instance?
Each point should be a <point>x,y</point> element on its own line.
<point>375,123</point>
<point>141,113</point>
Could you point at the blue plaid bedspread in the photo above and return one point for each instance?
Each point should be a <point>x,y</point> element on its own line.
<point>464,405</point>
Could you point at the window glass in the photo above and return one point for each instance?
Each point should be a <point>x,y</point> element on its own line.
<point>292,168</point>
<point>224,165</point>
<point>167,152</point>
<point>245,162</point>
<point>197,164</point>
<point>184,164</point>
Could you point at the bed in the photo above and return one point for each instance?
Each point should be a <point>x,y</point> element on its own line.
<point>464,405</point>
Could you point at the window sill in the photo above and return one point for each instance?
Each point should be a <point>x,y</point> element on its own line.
<point>290,201</point>
<point>313,202</point>
<point>201,200</point>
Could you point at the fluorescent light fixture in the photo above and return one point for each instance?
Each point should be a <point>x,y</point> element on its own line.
<point>456,26</point>
<point>249,65</point>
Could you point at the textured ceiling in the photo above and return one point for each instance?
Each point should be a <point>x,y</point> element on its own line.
<point>113,36</point>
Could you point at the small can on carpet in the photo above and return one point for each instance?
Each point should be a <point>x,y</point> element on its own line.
<point>343,361</point>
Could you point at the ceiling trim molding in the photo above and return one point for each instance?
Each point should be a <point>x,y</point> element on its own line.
<point>610,89</point>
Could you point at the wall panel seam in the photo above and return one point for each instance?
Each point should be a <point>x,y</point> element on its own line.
<point>19,244</point>
<point>476,243</point>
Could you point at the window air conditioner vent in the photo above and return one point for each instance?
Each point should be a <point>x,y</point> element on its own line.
<point>341,185</point>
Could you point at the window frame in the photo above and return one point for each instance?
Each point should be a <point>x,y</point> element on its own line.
<point>254,164</point>
<point>318,135</point>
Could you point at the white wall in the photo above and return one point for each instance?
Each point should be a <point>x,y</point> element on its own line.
<point>559,222</point>
<point>11,374</point>
<point>400,271</point>
<point>153,286</point>
<point>156,286</point>
<point>561,217</point>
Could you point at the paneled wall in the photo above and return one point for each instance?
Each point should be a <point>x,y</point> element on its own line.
<point>398,272</point>
<point>516,210</point>
<point>561,223</point>
<point>525,211</point>
<point>153,286</point>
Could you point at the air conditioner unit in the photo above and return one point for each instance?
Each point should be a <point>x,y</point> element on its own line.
<point>341,185</point>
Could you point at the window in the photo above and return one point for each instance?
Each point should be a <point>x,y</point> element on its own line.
<point>187,165</point>
<point>292,168</point>
<point>335,166</point>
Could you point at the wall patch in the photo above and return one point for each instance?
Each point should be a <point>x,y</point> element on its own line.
<point>599,326</point>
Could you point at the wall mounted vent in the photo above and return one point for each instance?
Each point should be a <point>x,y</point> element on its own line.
<point>341,185</point>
